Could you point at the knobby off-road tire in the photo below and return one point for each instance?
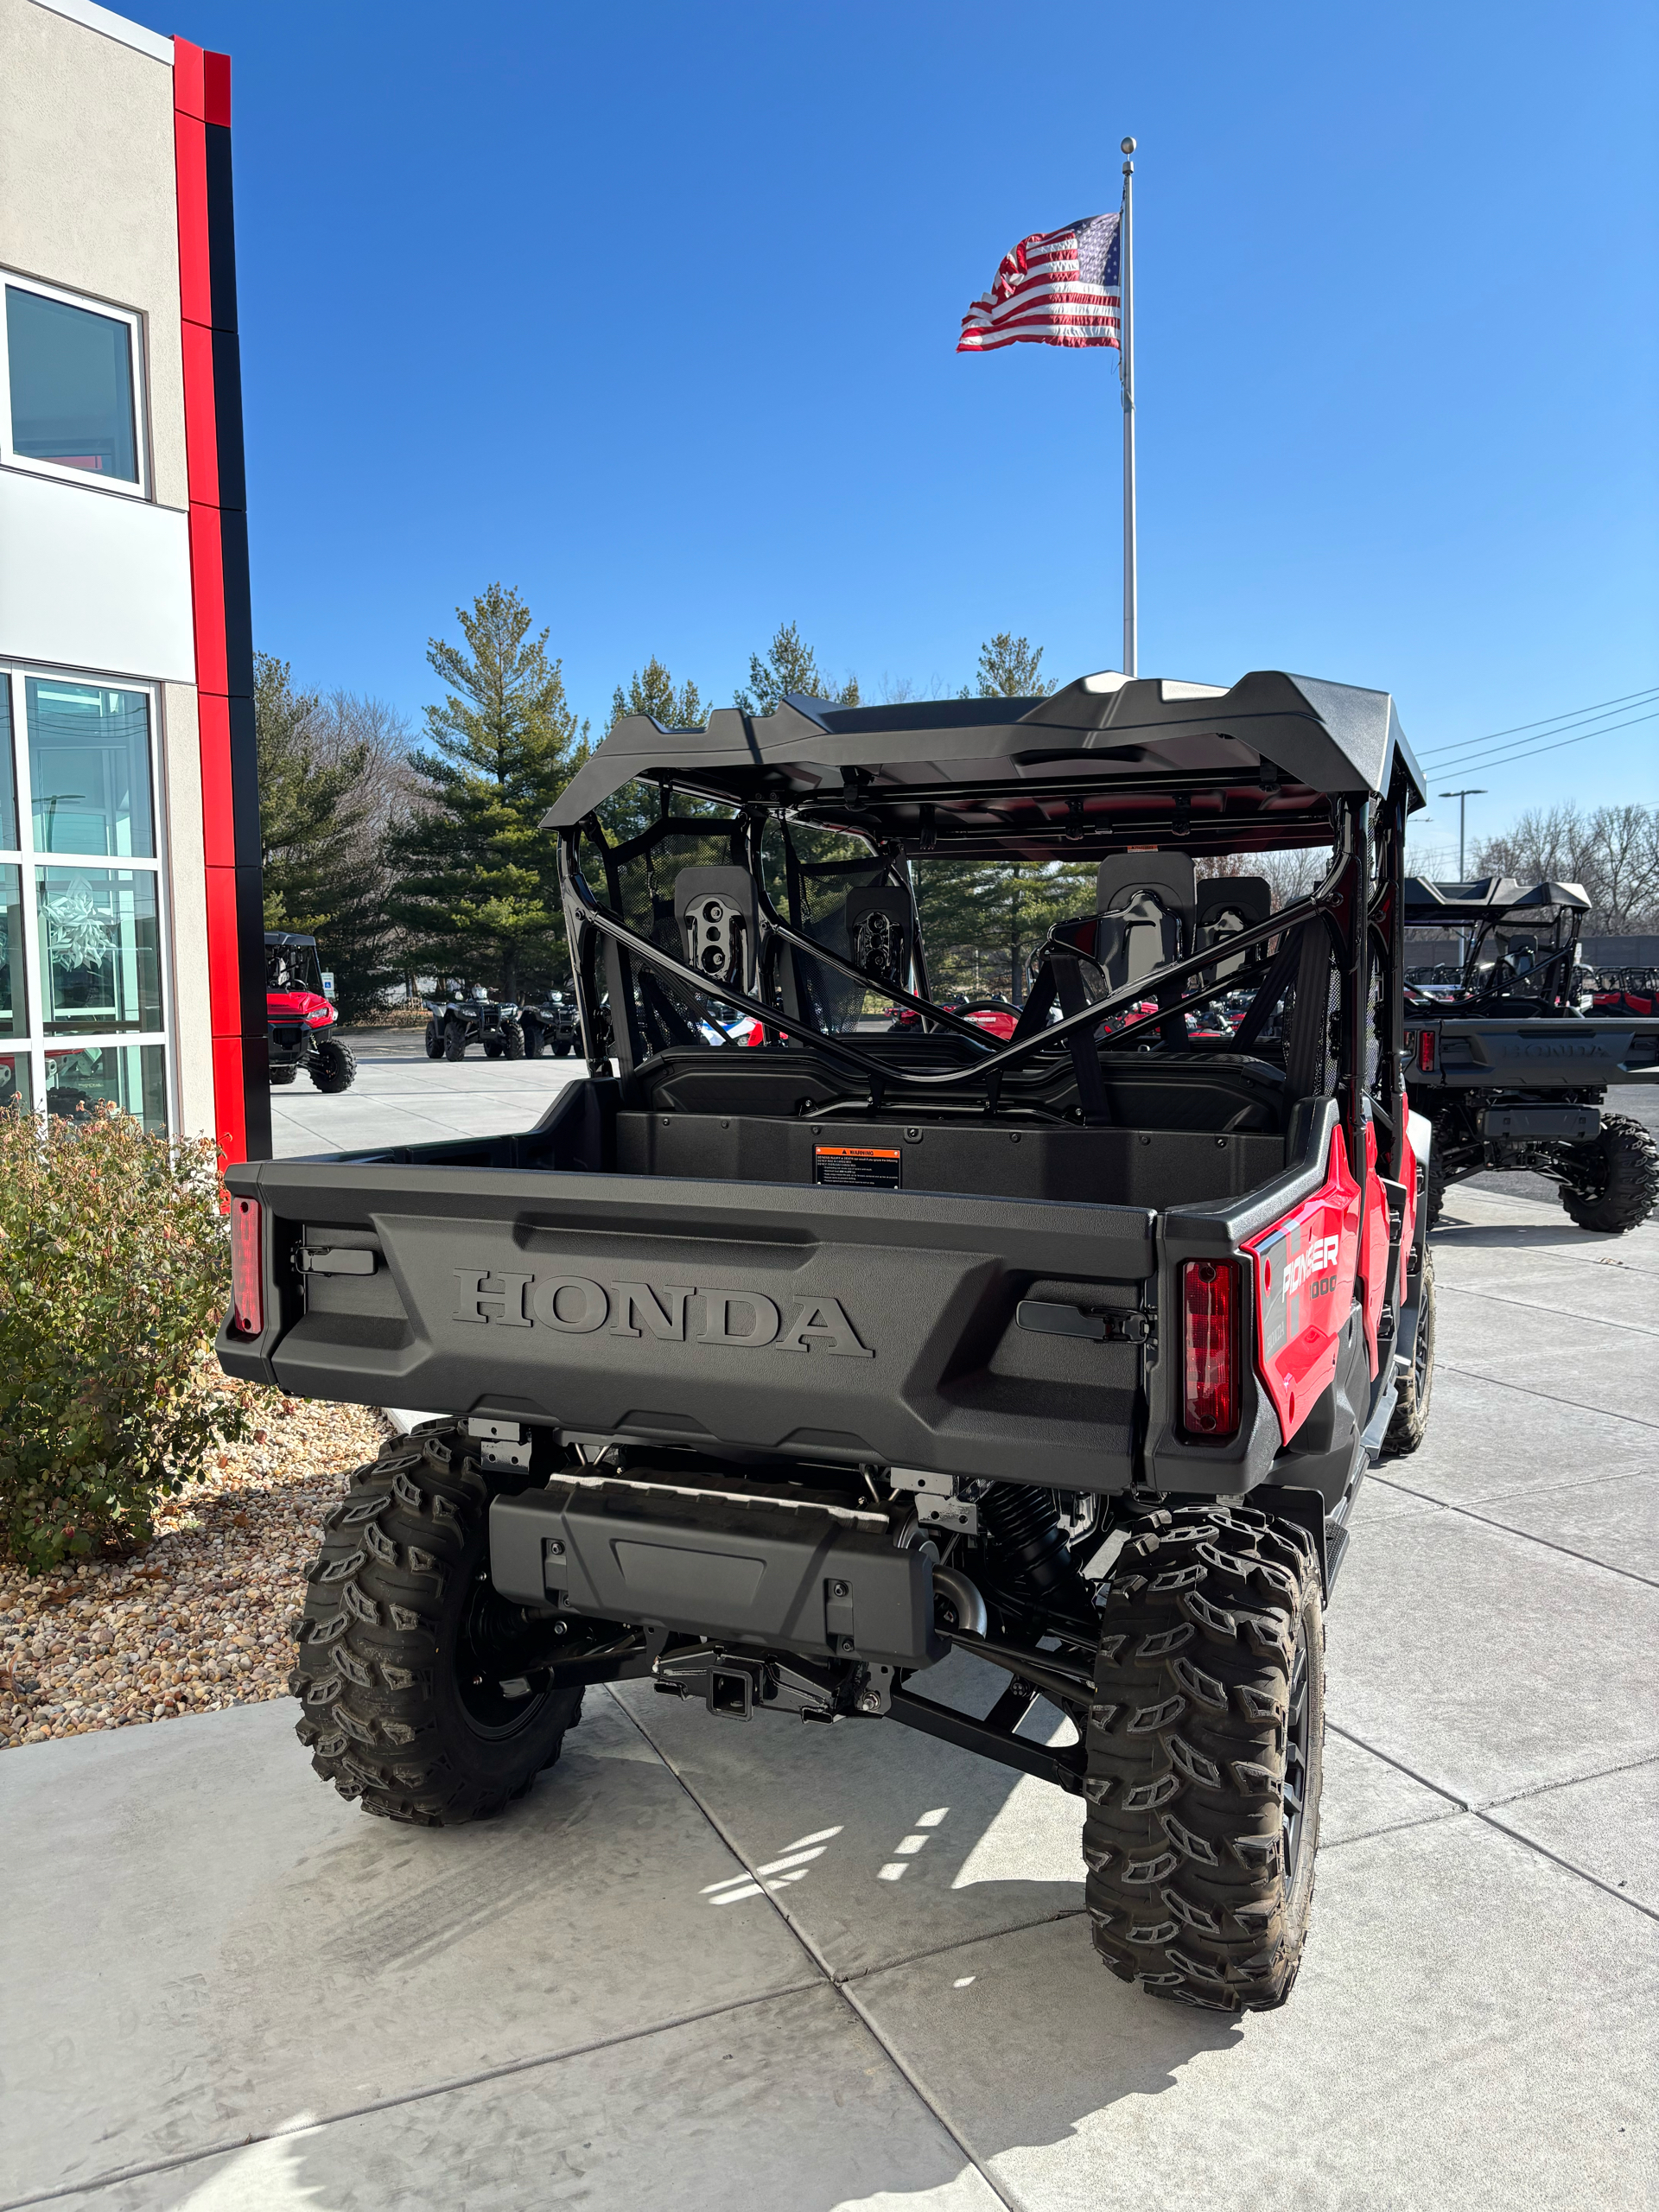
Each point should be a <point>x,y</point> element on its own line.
<point>1205,1753</point>
<point>282,1075</point>
<point>334,1068</point>
<point>434,1041</point>
<point>454,1041</point>
<point>513,1039</point>
<point>394,1712</point>
<point>1434,1186</point>
<point>1615,1183</point>
<point>1409,1425</point>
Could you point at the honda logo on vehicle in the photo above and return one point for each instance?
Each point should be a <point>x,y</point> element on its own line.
<point>668,1312</point>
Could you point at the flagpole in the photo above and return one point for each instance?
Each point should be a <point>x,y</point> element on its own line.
<point>1126,378</point>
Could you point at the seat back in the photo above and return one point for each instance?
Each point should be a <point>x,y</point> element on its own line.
<point>1153,896</point>
<point>880,931</point>
<point>715,909</point>
<point>1228,906</point>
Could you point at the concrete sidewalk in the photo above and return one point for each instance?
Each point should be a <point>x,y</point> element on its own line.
<point>827,1970</point>
<point>402,1097</point>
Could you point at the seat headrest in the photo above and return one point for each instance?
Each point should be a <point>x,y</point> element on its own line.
<point>1171,877</point>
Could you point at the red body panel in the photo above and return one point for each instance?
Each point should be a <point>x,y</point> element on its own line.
<point>298,1005</point>
<point>1305,1268</point>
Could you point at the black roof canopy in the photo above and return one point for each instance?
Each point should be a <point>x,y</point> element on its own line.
<point>1489,899</point>
<point>1101,762</point>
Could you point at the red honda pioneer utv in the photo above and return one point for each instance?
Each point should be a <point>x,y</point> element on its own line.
<point>776,1374</point>
<point>299,1016</point>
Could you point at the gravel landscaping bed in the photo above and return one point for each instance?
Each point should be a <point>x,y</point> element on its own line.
<point>201,1618</point>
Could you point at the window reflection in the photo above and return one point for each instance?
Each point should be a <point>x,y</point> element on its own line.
<point>8,773</point>
<point>71,386</point>
<point>132,1077</point>
<point>14,997</point>
<point>100,949</point>
<point>14,1087</point>
<point>89,768</point>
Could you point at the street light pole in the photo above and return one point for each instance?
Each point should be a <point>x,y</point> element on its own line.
<point>1463,798</point>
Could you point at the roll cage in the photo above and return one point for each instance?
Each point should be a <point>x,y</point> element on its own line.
<point>1493,911</point>
<point>1181,768</point>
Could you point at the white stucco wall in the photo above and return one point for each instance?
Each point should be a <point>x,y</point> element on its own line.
<point>88,195</point>
<point>92,581</point>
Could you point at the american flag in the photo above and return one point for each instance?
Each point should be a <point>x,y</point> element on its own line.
<point>1057,288</point>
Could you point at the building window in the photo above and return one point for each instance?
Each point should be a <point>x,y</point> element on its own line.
<point>73,399</point>
<point>83,1011</point>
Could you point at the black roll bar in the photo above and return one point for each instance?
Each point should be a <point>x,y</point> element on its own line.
<point>1322,903</point>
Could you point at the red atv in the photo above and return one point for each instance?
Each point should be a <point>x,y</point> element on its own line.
<point>298,1016</point>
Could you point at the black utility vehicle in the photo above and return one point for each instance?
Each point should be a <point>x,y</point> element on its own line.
<point>778,1373</point>
<point>550,1026</point>
<point>299,1016</point>
<point>473,1017</point>
<point>1508,1067</point>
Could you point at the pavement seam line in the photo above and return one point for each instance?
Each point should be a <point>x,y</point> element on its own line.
<point>1570,1782</point>
<point>1526,1535</point>
<point>1555,1858</point>
<point>959,1943</point>
<point>1458,1804</point>
<point>1549,1397</point>
<point>1561,1312</point>
<point>121,2174</point>
<point>816,1956</point>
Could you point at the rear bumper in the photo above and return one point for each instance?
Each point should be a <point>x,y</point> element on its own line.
<point>767,1575</point>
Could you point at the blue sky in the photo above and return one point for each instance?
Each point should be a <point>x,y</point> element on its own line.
<point>650,311</point>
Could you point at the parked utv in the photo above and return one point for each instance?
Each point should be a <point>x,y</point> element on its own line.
<point>473,1017</point>
<point>776,1375</point>
<point>1508,1067</point>
<point>550,1026</point>
<point>298,1016</point>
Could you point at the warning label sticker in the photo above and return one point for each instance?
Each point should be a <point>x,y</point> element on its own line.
<point>857,1166</point>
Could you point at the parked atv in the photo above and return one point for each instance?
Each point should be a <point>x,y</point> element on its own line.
<point>551,1025</point>
<point>1509,1068</point>
<point>473,1017</point>
<point>773,1376</point>
<point>298,1016</point>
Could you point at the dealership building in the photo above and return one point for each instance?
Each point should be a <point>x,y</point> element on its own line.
<point>132,934</point>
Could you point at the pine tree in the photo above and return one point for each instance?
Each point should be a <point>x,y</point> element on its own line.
<point>789,666</point>
<point>651,691</point>
<point>323,876</point>
<point>477,883</point>
<point>1009,669</point>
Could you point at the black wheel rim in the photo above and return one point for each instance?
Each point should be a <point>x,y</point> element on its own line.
<point>1292,1807</point>
<point>481,1669</point>
<point>1420,1357</point>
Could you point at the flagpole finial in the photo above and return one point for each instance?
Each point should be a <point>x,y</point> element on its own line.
<point>1128,145</point>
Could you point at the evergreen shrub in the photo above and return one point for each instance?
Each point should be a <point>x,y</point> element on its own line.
<point>114,1273</point>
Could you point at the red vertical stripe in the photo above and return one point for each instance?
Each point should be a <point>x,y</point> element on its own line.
<point>218,823</point>
<point>216,88</point>
<point>230,1115</point>
<point>196,279</point>
<point>201,415</point>
<point>223,987</point>
<point>187,78</point>
<point>201,96</point>
<point>207,582</point>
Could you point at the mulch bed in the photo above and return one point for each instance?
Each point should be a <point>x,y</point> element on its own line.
<point>199,1619</point>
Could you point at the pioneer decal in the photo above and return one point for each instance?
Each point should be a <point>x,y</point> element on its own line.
<point>577,1305</point>
<point>1304,1267</point>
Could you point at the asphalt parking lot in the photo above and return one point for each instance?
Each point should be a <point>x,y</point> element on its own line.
<point>830,1970</point>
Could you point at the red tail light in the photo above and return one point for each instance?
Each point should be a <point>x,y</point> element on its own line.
<point>1209,1393</point>
<point>1425,1051</point>
<point>247,1267</point>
